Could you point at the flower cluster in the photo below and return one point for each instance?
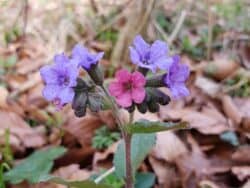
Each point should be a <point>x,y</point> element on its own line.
<point>63,84</point>
<point>130,90</point>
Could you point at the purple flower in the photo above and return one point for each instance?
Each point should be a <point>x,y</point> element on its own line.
<point>176,77</point>
<point>59,78</point>
<point>150,56</point>
<point>84,57</point>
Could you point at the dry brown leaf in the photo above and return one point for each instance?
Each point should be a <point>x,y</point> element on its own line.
<point>242,154</point>
<point>19,129</point>
<point>208,121</point>
<point>230,109</point>
<point>166,174</point>
<point>247,184</point>
<point>3,97</point>
<point>207,183</point>
<point>242,172</point>
<point>221,68</point>
<point>207,85</point>
<point>101,156</point>
<point>83,128</point>
<point>168,147</point>
<point>28,65</point>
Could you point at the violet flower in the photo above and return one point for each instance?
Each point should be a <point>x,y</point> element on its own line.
<point>60,78</point>
<point>176,77</point>
<point>128,88</point>
<point>150,56</point>
<point>84,57</point>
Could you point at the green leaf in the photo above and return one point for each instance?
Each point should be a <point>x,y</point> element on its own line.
<point>35,167</point>
<point>141,144</point>
<point>145,126</point>
<point>73,184</point>
<point>144,180</point>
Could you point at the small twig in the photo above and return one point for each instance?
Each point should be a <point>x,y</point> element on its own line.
<point>25,16</point>
<point>160,30</point>
<point>177,27</point>
<point>104,175</point>
<point>210,30</point>
<point>180,22</point>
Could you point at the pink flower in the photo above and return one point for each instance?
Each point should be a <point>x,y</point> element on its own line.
<point>128,88</point>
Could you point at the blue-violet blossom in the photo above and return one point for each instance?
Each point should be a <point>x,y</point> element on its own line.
<point>84,57</point>
<point>150,56</point>
<point>176,77</point>
<point>60,78</point>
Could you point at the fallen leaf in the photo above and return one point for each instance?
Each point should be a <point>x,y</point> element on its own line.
<point>208,86</point>
<point>28,137</point>
<point>167,175</point>
<point>230,109</point>
<point>242,172</point>
<point>221,68</point>
<point>208,121</point>
<point>3,97</point>
<point>168,146</point>
<point>242,154</point>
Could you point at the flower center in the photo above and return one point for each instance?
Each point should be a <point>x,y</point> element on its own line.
<point>127,86</point>
<point>56,101</point>
<point>63,80</point>
<point>146,58</point>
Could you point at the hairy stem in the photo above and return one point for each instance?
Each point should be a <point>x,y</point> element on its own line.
<point>127,139</point>
<point>129,175</point>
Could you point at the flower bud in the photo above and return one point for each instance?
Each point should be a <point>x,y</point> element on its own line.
<point>142,107</point>
<point>96,74</point>
<point>80,113</point>
<point>79,103</point>
<point>131,108</point>
<point>159,96</point>
<point>142,70</point>
<point>153,106</point>
<point>155,81</point>
<point>94,102</point>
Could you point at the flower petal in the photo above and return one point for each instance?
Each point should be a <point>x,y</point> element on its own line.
<point>140,45</point>
<point>158,50</point>
<point>60,59</point>
<point>138,95</point>
<point>79,51</point>
<point>134,56</point>
<point>179,90</point>
<point>51,91</point>
<point>48,74</point>
<point>164,63</point>
<point>124,100</point>
<point>138,80</point>
<point>115,89</point>
<point>123,76</point>
<point>66,95</point>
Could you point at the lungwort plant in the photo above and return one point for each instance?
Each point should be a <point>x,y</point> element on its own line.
<point>129,91</point>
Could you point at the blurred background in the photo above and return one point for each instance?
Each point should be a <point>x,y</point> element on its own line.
<point>213,39</point>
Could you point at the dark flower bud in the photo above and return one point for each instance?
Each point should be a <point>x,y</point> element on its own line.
<point>142,107</point>
<point>156,81</point>
<point>142,70</point>
<point>80,112</point>
<point>79,101</point>
<point>153,106</point>
<point>131,108</point>
<point>96,74</point>
<point>94,102</point>
<point>159,96</point>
